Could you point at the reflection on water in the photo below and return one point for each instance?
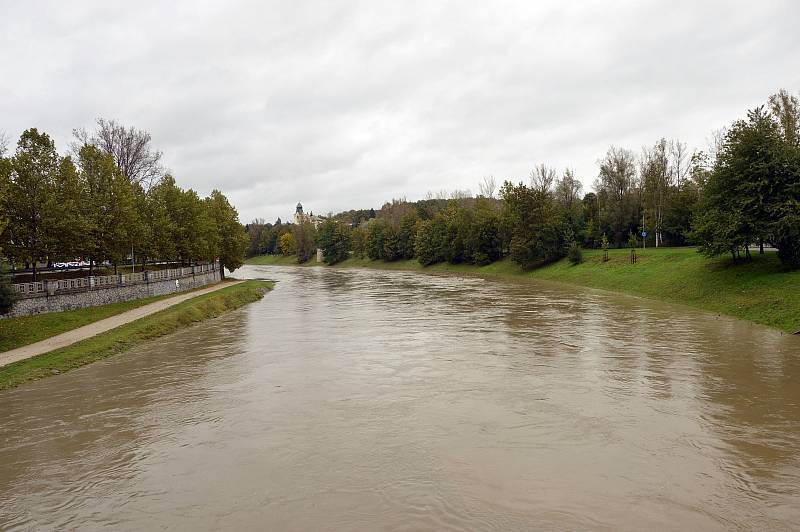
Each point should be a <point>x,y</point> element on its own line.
<point>363,400</point>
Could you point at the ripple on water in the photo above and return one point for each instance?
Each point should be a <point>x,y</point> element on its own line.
<point>365,400</point>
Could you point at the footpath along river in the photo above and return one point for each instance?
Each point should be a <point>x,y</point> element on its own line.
<point>369,400</point>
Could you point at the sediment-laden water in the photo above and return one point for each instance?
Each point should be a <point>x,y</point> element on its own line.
<point>368,400</point>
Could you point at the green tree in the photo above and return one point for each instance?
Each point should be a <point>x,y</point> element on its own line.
<point>333,239</point>
<point>483,239</point>
<point>537,237</point>
<point>30,202</point>
<point>374,241</point>
<point>617,194</point>
<point>752,192</point>
<point>71,225</point>
<point>431,241</point>
<point>391,244</point>
<point>406,235</point>
<point>110,209</point>
<point>358,242</point>
<point>231,239</point>
<point>162,219</point>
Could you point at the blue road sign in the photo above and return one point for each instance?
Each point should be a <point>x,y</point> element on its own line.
<point>644,234</point>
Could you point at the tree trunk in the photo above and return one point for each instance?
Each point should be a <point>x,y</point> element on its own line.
<point>91,266</point>
<point>760,246</point>
<point>221,272</point>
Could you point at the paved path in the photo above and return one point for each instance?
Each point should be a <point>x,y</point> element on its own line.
<point>101,326</point>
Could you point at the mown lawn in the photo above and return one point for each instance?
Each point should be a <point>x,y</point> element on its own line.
<point>273,260</point>
<point>122,338</point>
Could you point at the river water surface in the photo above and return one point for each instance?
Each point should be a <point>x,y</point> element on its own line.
<point>368,400</point>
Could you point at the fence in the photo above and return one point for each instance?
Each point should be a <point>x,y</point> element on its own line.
<point>84,284</point>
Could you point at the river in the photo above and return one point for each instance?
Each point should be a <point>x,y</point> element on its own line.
<point>369,400</point>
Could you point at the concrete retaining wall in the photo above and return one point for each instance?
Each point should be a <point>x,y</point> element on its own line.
<point>59,302</point>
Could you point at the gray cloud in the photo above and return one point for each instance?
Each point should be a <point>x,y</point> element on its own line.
<point>348,104</point>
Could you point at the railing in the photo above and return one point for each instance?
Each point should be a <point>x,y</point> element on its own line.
<point>106,281</point>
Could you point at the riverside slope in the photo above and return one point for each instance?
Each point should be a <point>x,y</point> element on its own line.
<point>759,290</point>
<point>93,329</point>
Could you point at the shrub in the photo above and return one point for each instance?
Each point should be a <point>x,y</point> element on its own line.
<point>574,253</point>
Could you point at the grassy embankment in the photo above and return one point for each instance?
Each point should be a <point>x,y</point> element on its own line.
<point>758,291</point>
<point>17,332</point>
<point>194,310</point>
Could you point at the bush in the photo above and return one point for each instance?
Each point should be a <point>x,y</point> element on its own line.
<point>6,294</point>
<point>574,253</point>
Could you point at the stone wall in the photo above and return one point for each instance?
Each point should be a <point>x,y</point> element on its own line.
<point>61,301</point>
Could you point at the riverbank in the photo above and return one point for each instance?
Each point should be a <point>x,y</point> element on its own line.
<point>199,308</point>
<point>25,330</point>
<point>758,291</point>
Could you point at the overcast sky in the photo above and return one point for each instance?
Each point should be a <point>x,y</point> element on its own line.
<point>348,104</point>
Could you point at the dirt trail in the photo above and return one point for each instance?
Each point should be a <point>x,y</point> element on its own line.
<point>101,326</point>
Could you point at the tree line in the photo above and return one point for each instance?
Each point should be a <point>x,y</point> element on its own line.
<point>743,191</point>
<point>109,200</point>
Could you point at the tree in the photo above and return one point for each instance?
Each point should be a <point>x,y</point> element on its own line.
<point>305,238</point>
<point>537,237</point>
<point>110,207</point>
<point>29,202</point>
<point>4,142</point>
<point>71,225</point>
<point>656,183</point>
<point>255,234</point>
<point>6,293</point>
<point>333,239</point>
<point>752,192</point>
<point>287,244</point>
<point>406,235</point>
<point>391,244</point>
<point>616,193</point>
<point>542,178</point>
<point>130,149</point>
<point>487,187</point>
<point>358,242</point>
<point>483,242</point>
<point>163,213</point>
<point>374,240</point>
<point>568,189</point>
<point>785,108</point>
<point>231,241</point>
<point>431,240</point>
<point>458,222</point>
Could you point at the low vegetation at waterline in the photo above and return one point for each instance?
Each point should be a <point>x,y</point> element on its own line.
<point>123,338</point>
<point>759,290</point>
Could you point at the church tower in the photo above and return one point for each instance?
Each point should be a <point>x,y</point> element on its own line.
<point>298,214</point>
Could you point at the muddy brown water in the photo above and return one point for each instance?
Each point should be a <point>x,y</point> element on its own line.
<point>368,400</point>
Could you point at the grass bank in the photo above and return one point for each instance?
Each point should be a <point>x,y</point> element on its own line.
<point>759,291</point>
<point>273,260</point>
<point>122,338</point>
<point>17,332</point>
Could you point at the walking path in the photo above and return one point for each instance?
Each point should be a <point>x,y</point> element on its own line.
<point>101,326</point>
